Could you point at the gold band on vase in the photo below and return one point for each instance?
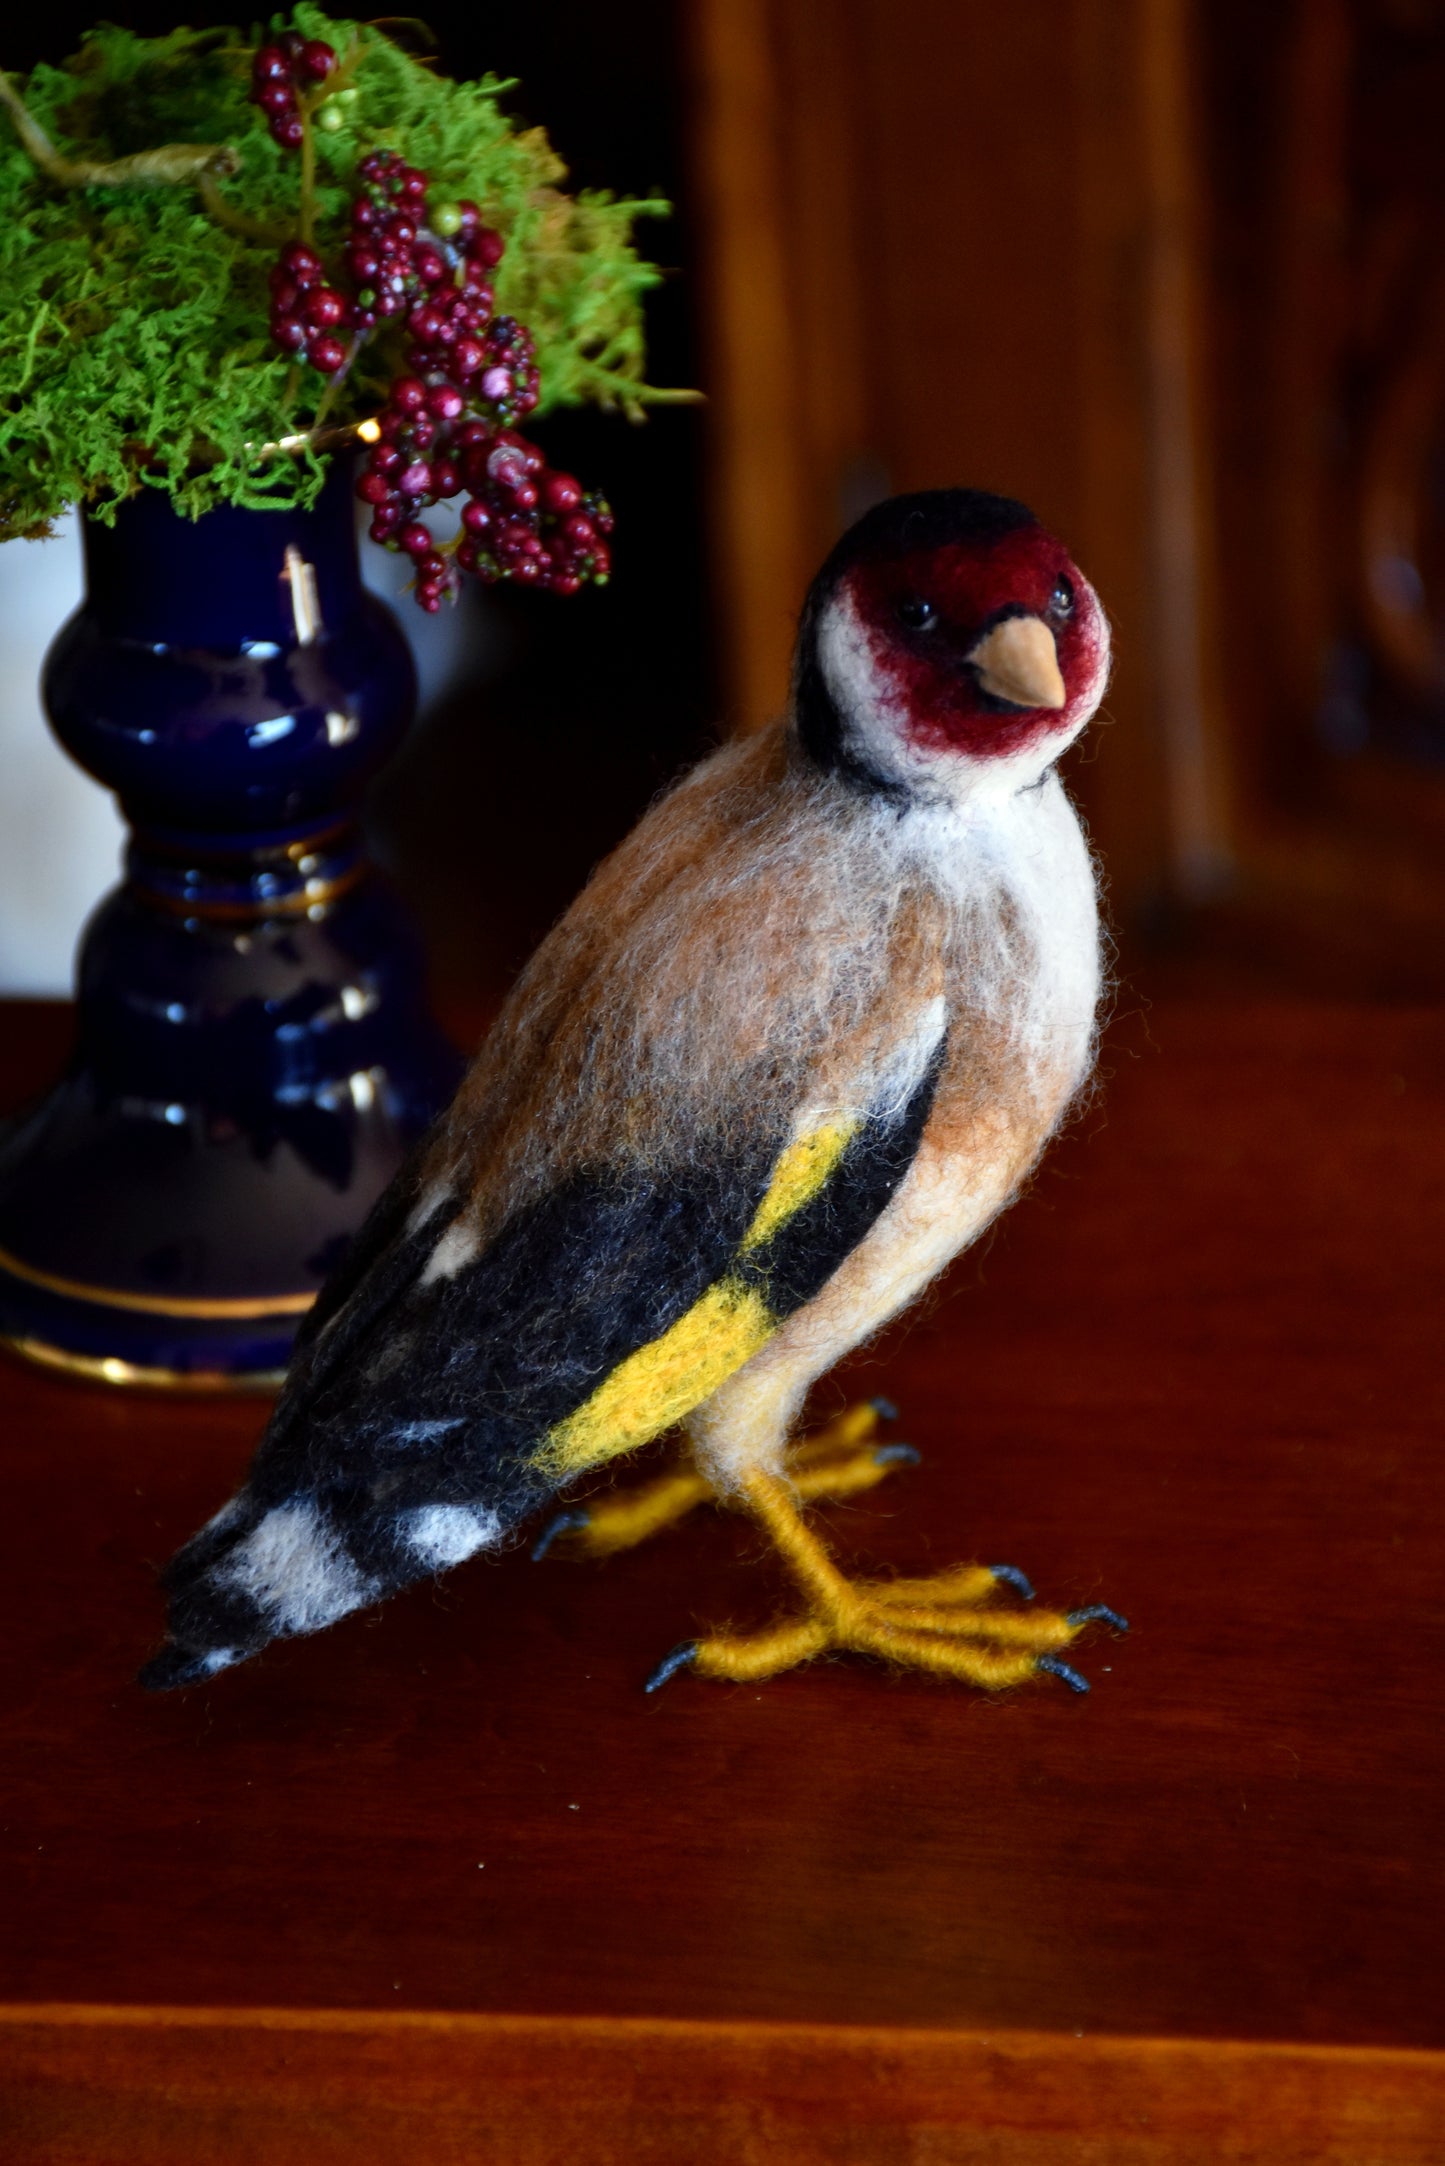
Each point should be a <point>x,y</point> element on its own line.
<point>135,1376</point>
<point>219,1309</point>
<point>315,895</point>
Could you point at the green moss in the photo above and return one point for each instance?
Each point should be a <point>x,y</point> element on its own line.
<point>133,339</point>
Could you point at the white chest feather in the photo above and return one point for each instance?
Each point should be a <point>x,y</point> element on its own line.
<point>1046,869</point>
<point>1021,1037</point>
<point>1029,962</point>
<point>1020,1027</point>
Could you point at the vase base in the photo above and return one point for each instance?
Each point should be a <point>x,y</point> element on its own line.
<point>133,1376</point>
<point>172,1207</point>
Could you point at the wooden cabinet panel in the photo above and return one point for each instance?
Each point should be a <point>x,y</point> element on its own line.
<point>948,246</point>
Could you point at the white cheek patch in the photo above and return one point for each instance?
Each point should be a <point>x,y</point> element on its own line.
<point>295,1570</point>
<point>442,1535</point>
<point>849,666</point>
<point>456,1248</point>
<point>869,707</point>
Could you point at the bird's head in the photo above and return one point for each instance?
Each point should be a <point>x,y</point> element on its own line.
<point>949,648</point>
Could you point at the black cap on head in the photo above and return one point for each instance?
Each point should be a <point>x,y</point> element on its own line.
<point>928,519</point>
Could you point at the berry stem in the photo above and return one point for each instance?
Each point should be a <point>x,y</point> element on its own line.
<point>344,73</point>
<point>334,383</point>
<point>222,214</point>
<point>308,174</point>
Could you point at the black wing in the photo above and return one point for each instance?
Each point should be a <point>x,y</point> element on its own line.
<point>409,1432</point>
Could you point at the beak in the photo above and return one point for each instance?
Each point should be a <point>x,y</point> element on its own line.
<point>1018,661</point>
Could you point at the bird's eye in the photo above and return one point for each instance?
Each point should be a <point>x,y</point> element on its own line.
<point>1061,601</point>
<point>917,614</point>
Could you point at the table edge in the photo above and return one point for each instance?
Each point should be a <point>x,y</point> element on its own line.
<point>277,2084</point>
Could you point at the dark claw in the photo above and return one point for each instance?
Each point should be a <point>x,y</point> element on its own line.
<point>1098,1614</point>
<point>1013,1577</point>
<point>565,1523</point>
<point>671,1664</point>
<point>884,1409</point>
<point>896,1455</point>
<point>1056,1668</point>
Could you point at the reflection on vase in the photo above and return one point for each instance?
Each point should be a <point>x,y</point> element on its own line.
<point>254,1057</point>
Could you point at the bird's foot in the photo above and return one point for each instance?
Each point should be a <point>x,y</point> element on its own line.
<point>985,1647</point>
<point>846,1457</point>
<point>944,1624</point>
<point>627,1516</point>
<point>841,1460</point>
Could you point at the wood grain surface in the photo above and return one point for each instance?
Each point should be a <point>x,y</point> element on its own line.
<point>173,2087</point>
<point>447,1844</point>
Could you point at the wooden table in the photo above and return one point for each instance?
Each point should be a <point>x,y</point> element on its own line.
<point>442,1884</point>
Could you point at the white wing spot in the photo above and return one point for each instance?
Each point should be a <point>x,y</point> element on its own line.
<point>295,1570</point>
<point>457,1246</point>
<point>424,1432</point>
<point>427,1205</point>
<point>443,1534</point>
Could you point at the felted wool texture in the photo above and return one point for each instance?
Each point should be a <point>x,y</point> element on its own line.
<point>450,1416</point>
<point>771,947</point>
<point>790,965</point>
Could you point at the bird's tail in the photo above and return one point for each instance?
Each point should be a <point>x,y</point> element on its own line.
<point>265,1569</point>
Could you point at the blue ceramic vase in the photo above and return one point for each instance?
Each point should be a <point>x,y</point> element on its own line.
<point>254,1057</point>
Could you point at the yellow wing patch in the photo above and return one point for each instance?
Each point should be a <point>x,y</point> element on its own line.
<point>663,1381</point>
<point>797,1177</point>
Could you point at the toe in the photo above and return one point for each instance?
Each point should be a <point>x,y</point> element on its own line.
<point>1074,1679</point>
<point>896,1455</point>
<point>570,1522</point>
<point>1097,1613</point>
<point>1009,1575</point>
<point>681,1658</point>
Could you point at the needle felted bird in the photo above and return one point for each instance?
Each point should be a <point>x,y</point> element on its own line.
<point>800,1039</point>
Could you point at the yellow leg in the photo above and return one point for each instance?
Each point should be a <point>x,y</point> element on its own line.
<point>939,1624</point>
<point>841,1460</point>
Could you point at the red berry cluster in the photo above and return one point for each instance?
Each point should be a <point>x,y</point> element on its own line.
<point>522,519</point>
<point>276,72</point>
<point>469,375</point>
<point>307,313</point>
